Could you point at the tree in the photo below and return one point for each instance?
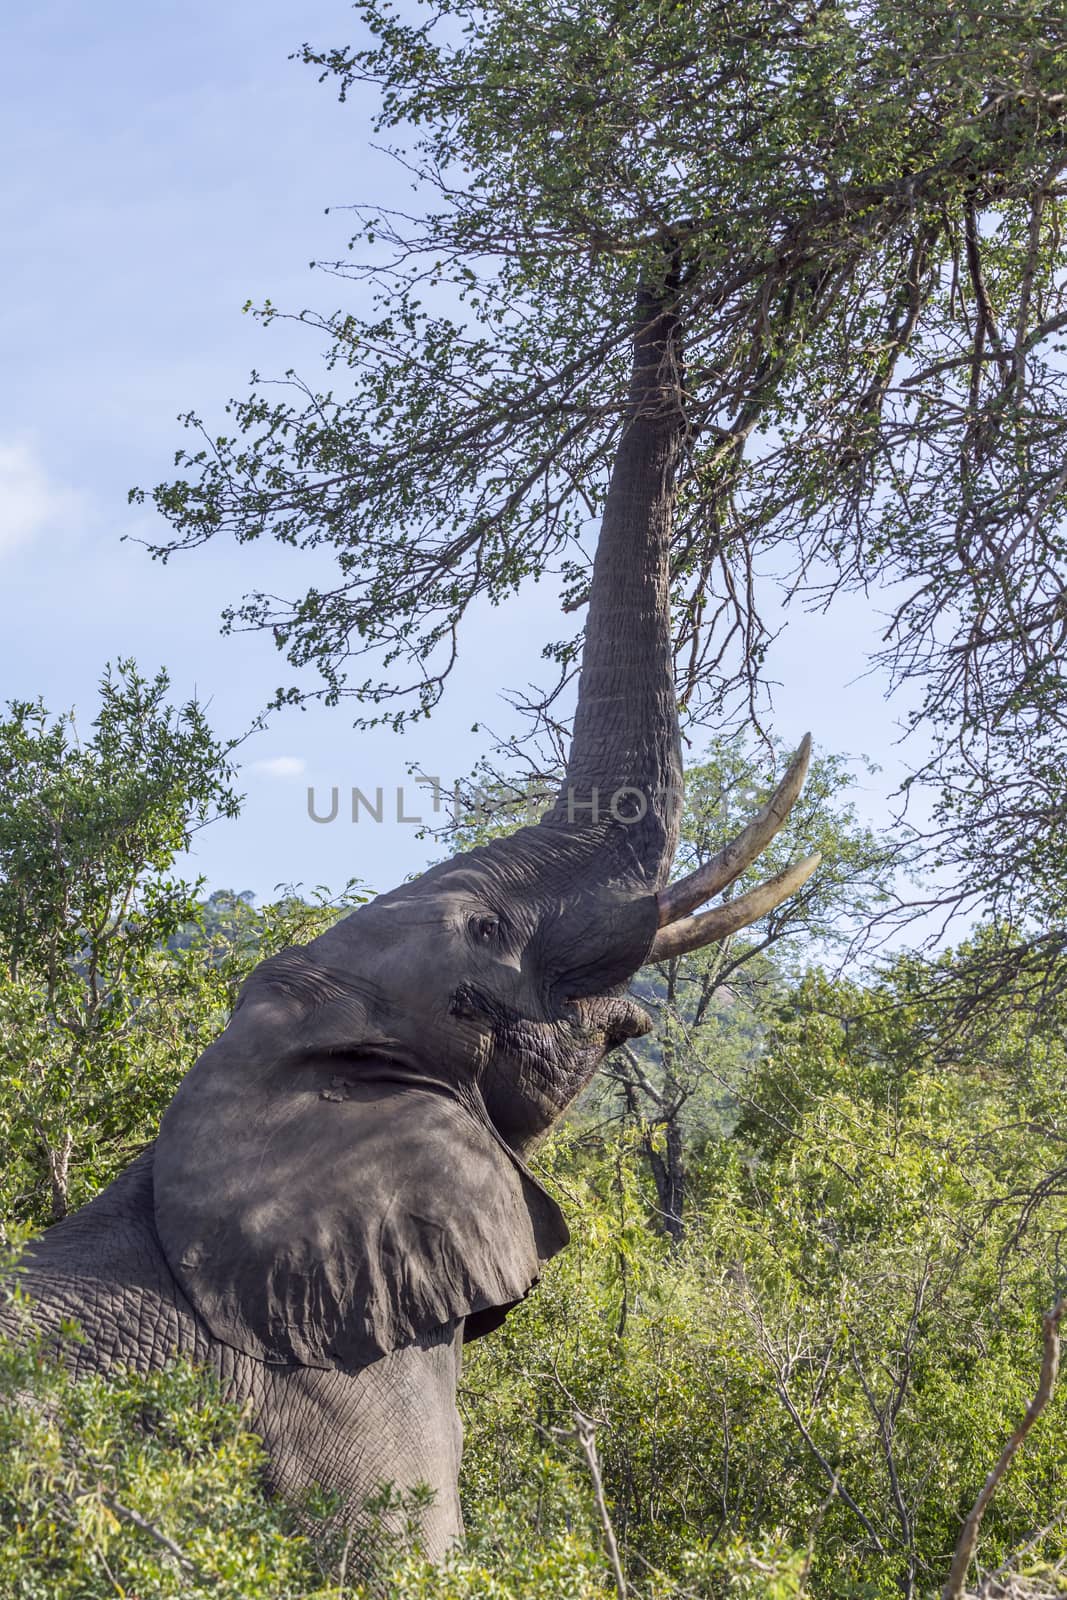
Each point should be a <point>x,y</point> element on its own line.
<point>855,217</point>
<point>679,1082</point>
<point>90,828</point>
<point>806,1396</point>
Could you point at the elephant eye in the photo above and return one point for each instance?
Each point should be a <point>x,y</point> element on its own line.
<point>484,929</point>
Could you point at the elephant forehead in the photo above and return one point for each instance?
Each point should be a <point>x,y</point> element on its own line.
<point>530,878</point>
<point>531,862</point>
<point>370,936</point>
<point>434,905</point>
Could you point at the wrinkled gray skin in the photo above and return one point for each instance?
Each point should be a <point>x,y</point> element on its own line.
<point>337,1197</point>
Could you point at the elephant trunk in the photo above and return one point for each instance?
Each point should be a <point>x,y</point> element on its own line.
<point>625,758</point>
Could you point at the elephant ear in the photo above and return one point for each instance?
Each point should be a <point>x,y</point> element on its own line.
<point>323,1206</point>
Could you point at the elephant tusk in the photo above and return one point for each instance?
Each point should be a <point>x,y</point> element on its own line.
<point>690,933</point>
<point>684,896</point>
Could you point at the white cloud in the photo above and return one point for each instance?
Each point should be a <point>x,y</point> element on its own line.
<point>30,503</point>
<point>279,766</point>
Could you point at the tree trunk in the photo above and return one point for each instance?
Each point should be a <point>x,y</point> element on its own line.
<point>58,1159</point>
<point>668,1173</point>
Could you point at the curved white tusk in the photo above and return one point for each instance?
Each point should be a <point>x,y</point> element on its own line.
<point>684,896</point>
<point>690,933</point>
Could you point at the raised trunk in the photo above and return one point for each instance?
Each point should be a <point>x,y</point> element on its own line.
<point>625,760</point>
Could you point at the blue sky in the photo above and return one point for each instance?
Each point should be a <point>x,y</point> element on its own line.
<point>165,164</point>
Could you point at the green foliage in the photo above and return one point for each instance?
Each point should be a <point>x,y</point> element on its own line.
<point>85,822</point>
<point>113,976</point>
<point>90,828</point>
<point>499,1565</point>
<point>144,1485</point>
<point>830,1362</point>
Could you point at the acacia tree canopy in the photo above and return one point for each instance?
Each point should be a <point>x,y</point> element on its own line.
<point>859,211</point>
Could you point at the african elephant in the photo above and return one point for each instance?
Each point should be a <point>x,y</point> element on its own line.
<point>338,1196</point>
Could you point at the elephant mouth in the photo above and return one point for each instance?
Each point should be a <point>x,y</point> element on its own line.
<point>578,1025</point>
<point>536,1068</point>
<point>508,1024</point>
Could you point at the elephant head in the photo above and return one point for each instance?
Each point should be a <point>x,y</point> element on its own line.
<point>343,1172</point>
